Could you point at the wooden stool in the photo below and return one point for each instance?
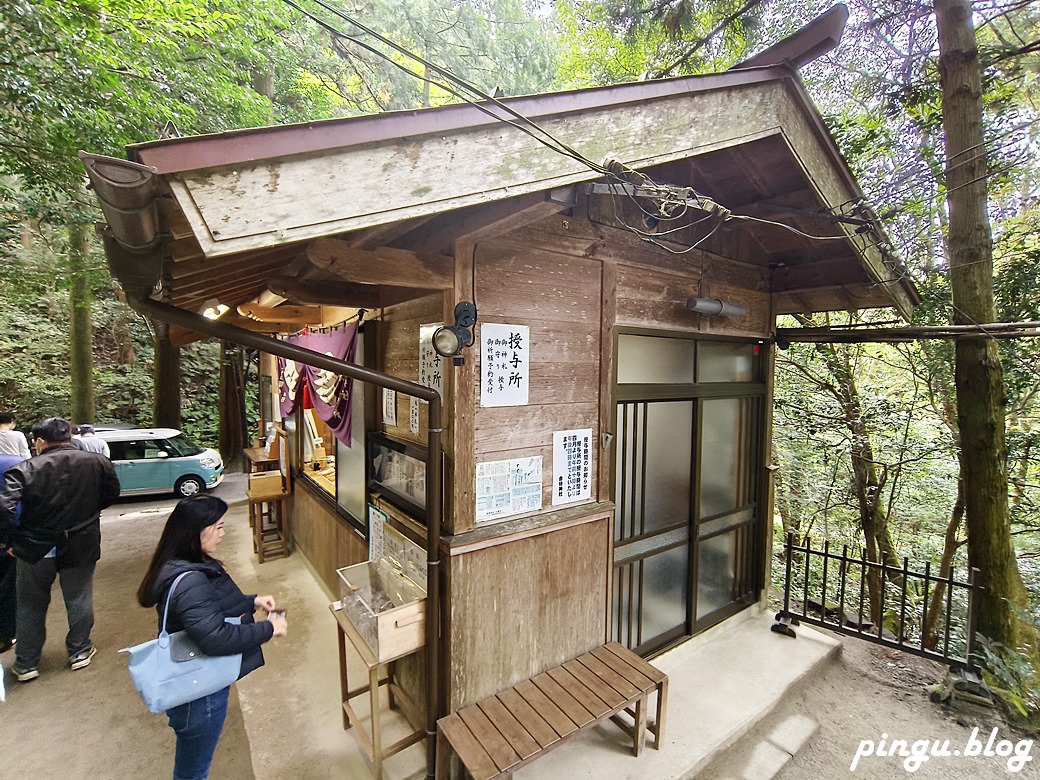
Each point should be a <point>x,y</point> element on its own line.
<point>269,522</point>
<point>372,744</point>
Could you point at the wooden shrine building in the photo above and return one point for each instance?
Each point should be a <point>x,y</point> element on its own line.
<point>606,434</point>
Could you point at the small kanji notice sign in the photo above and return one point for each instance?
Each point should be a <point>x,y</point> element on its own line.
<point>431,365</point>
<point>572,466</point>
<point>505,355</point>
<point>508,487</point>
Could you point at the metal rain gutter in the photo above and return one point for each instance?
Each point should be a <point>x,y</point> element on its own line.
<point>434,502</point>
<point>126,192</point>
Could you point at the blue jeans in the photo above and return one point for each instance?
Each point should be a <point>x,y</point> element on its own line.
<point>34,581</point>
<point>198,725</point>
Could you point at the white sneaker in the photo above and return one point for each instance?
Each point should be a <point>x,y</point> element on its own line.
<point>80,660</point>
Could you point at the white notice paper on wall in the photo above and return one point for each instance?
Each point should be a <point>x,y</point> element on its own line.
<point>413,414</point>
<point>431,365</point>
<point>572,466</point>
<point>376,519</point>
<point>508,487</point>
<point>389,406</point>
<point>505,361</point>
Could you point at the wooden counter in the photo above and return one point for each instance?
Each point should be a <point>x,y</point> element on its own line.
<point>259,460</point>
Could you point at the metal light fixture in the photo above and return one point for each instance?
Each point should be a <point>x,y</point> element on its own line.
<point>450,340</point>
<point>713,307</point>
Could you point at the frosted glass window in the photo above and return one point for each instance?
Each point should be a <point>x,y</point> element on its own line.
<point>668,463</point>
<point>654,360</point>
<point>654,493</point>
<point>723,361</point>
<point>722,448</point>
<point>664,591</point>
<point>716,572</point>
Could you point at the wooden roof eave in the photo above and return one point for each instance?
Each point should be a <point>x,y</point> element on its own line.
<point>234,207</point>
<point>253,145</point>
<point>824,164</point>
<point>812,146</point>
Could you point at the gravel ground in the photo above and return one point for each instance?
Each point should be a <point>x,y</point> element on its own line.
<point>874,694</point>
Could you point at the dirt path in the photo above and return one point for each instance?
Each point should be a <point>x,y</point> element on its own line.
<point>875,694</point>
<point>91,723</point>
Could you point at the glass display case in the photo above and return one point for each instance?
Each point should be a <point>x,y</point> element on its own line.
<point>397,472</point>
<point>385,606</point>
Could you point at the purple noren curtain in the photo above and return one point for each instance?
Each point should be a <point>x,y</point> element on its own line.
<point>329,393</point>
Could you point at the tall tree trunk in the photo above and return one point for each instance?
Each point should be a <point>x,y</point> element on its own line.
<point>937,598</point>
<point>784,489</point>
<point>81,334</point>
<point>166,410</point>
<point>263,84</point>
<point>978,374</point>
<point>232,407</point>
<point>126,355</point>
<point>869,476</point>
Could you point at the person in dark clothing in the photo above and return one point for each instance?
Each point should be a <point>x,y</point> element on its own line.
<point>8,568</point>
<point>62,490</point>
<point>199,604</point>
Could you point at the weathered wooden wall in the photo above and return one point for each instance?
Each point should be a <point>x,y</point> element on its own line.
<point>397,353</point>
<point>317,532</point>
<point>517,604</point>
<point>524,594</point>
<point>527,283</point>
<point>572,280</point>
<point>520,604</point>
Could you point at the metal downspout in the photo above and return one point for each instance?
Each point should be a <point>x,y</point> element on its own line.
<point>273,346</point>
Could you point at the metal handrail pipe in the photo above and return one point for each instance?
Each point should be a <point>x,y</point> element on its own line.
<point>434,501</point>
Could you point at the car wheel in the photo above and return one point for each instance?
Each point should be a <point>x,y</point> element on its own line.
<point>187,487</point>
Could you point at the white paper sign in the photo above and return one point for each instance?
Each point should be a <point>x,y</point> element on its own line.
<point>389,406</point>
<point>376,521</point>
<point>505,356</point>
<point>572,466</point>
<point>415,565</point>
<point>431,365</point>
<point>413,414</point>
<point>508,487</point>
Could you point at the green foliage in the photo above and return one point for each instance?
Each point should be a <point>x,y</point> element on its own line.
<point>504,45</point>
<point>619,40</point>
<point>98,74</point>
<point>34,376</point>
<point>200,370</point>
<point>1011,675</point>
<point>913,448</point>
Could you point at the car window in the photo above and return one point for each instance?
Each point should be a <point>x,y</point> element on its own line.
<point>181,446</point>
<point>117,450</point>
<point>151,449</point>
<point>140,449</point>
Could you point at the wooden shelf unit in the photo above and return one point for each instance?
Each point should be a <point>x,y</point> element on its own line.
<point>372,745</point>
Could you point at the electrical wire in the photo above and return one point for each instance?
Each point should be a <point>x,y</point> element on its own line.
<point>667,194</point>
<point>679,196</point>
<point>788,227</point>
<point>523,123</point>
<point>669,198</point>
<point>684,250</point>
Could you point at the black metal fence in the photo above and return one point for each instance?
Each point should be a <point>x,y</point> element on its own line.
<point>835,591</point>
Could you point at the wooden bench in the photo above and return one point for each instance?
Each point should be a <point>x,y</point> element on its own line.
<point>504,732</point>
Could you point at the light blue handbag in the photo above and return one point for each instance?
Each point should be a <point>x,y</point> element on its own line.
<point>171,670</point>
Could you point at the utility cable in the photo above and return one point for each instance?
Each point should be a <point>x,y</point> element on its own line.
<point>678,197</point>
<point>522,122</point>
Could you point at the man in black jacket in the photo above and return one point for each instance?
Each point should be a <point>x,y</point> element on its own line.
<point>62,490</point>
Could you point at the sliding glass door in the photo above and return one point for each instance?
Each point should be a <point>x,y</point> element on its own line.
<point>688,456</point>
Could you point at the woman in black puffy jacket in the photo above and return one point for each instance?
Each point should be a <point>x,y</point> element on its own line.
<point>199,604</point>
